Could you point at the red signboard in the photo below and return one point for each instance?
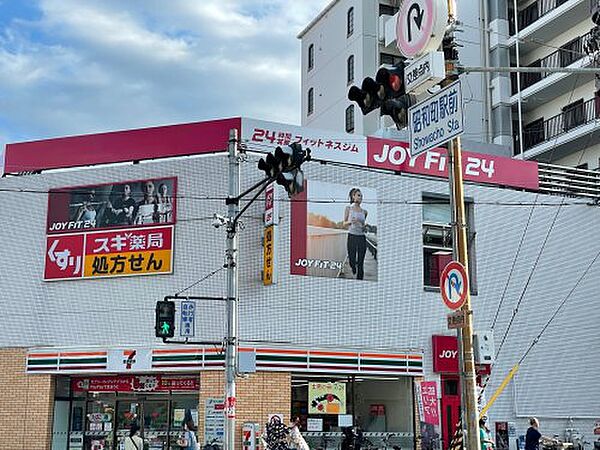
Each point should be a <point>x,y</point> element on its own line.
<point>119,146</point>
<point>445,354</point>
<point>123,252</point>
<point>135,383</point>
<point>477,167</point>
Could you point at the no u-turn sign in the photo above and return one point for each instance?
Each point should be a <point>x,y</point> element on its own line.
<point>454,285</point>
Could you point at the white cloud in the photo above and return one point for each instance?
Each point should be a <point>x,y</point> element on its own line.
<point>108,64</point>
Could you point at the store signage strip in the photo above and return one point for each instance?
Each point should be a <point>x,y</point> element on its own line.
<point>263,136</point>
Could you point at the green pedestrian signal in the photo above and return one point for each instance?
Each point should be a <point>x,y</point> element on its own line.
<point>165,319</point>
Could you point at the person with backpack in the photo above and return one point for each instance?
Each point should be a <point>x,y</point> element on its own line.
<point>189,440</point>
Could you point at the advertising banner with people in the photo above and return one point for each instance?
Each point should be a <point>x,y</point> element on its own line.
<point>326,398</point>
<point>109,230</point>
<point>334,231</point>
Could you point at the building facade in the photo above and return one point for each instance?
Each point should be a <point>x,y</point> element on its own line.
<point>549,117</point>
<point>79,358</point>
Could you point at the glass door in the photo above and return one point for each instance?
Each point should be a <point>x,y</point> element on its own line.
<point>128,411</point>
<point>156,424</point>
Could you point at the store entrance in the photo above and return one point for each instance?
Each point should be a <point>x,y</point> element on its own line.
<point>103,410</point>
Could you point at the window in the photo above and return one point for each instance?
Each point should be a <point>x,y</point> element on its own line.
<point>437,240</point>
<point>350,22</point>
<point>350,69</point>
<point>573,115</point>
<point>533,133</point>
<point>387,10</point>
<point>350,119</point>
<point>311,56</point>
<point>311,101</point>
<point>570,52</point>
<point>386,58</point>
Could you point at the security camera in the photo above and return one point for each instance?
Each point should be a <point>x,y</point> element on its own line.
<point>218,220</point>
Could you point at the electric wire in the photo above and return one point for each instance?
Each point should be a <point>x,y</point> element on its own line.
<point>557,310</point>
<point>196,283</point>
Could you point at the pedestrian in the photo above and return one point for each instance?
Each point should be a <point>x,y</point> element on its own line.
<point>532,438</point>
<point>189,441</point>
<point>355,218</point>
<point>295,437</point>
<point>134,441</point>
<point>485,443</point>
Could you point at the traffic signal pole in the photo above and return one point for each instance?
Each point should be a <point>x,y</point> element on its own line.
<point>460,245</point>
<point>232,289</point>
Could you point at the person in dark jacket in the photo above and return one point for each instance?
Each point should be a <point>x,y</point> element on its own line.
<point>532,438</point>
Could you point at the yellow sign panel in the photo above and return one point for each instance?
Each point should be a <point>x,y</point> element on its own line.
<point>326,398</point>
<point>127,263</point>
<point>268,255</point>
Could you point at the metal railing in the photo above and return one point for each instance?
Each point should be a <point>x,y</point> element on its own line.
<point>533,13</point>
<point>563,57</point>
<point>569,181</point>
<point>579,114</point>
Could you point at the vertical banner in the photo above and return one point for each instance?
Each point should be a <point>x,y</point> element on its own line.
<point>334,232</point>
<point>427,402</point>
<point>326,398</point>
<point>271,235</point>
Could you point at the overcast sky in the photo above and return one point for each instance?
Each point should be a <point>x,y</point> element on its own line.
<point>82,66</point>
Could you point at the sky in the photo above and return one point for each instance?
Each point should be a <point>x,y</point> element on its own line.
<point>73,66</point>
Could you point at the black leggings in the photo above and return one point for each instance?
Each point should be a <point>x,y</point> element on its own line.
<point>357,247</point>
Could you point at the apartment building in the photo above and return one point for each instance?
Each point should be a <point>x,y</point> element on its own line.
<point>550,117</point>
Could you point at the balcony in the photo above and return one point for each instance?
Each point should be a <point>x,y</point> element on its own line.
<point>539,88</point>
<point>545,19</point>
<point>573,126</point>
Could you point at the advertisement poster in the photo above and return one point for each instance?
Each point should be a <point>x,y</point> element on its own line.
<point>214,420</point>
<point>326,398</point>
<point>334,231</point>
<point>109,230</point>
<point>427,404</point>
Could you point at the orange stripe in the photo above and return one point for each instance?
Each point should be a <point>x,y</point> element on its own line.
<point>318,352</point>
<point>43,355</point>
<point>83,354</point>
<point>185,350</point>
<point>281,351</point>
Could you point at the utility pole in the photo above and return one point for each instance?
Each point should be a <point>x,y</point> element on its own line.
<point>232,289</point>
<point>460,245</point>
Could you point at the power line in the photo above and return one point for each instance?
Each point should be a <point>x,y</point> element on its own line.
<point>196,283</point>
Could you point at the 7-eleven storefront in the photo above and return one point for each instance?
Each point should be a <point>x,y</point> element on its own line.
<point>99,393</point>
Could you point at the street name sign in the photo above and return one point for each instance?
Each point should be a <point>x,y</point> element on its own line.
<point>424,72</point>
<point>187,319</point>
<point>454,285</point>
<point>457,319</point>
<point>420,26</point>
<point>436,120</point>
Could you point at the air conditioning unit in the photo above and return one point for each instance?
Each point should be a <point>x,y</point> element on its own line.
<point>483,346</point>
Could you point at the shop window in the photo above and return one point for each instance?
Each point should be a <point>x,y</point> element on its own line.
<point>350,69</point>
<point>311,56</point>
<point>350,119</point>
<point>437,241</point>
<point>310,101</point>
<point>573,115</point>
<point>350,23</point>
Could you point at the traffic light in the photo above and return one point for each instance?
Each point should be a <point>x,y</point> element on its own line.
<point>386,92</point>
<point>165,319</point>
<point>284,166</point>
<point>368,96</point>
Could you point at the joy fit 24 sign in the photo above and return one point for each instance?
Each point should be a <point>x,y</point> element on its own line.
<point>420,26</point>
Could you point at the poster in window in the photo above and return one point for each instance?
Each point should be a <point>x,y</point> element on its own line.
<point>334,231</point>
<point>327,398</point>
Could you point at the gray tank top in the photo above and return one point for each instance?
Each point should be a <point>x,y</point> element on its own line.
<point>358,227</point>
